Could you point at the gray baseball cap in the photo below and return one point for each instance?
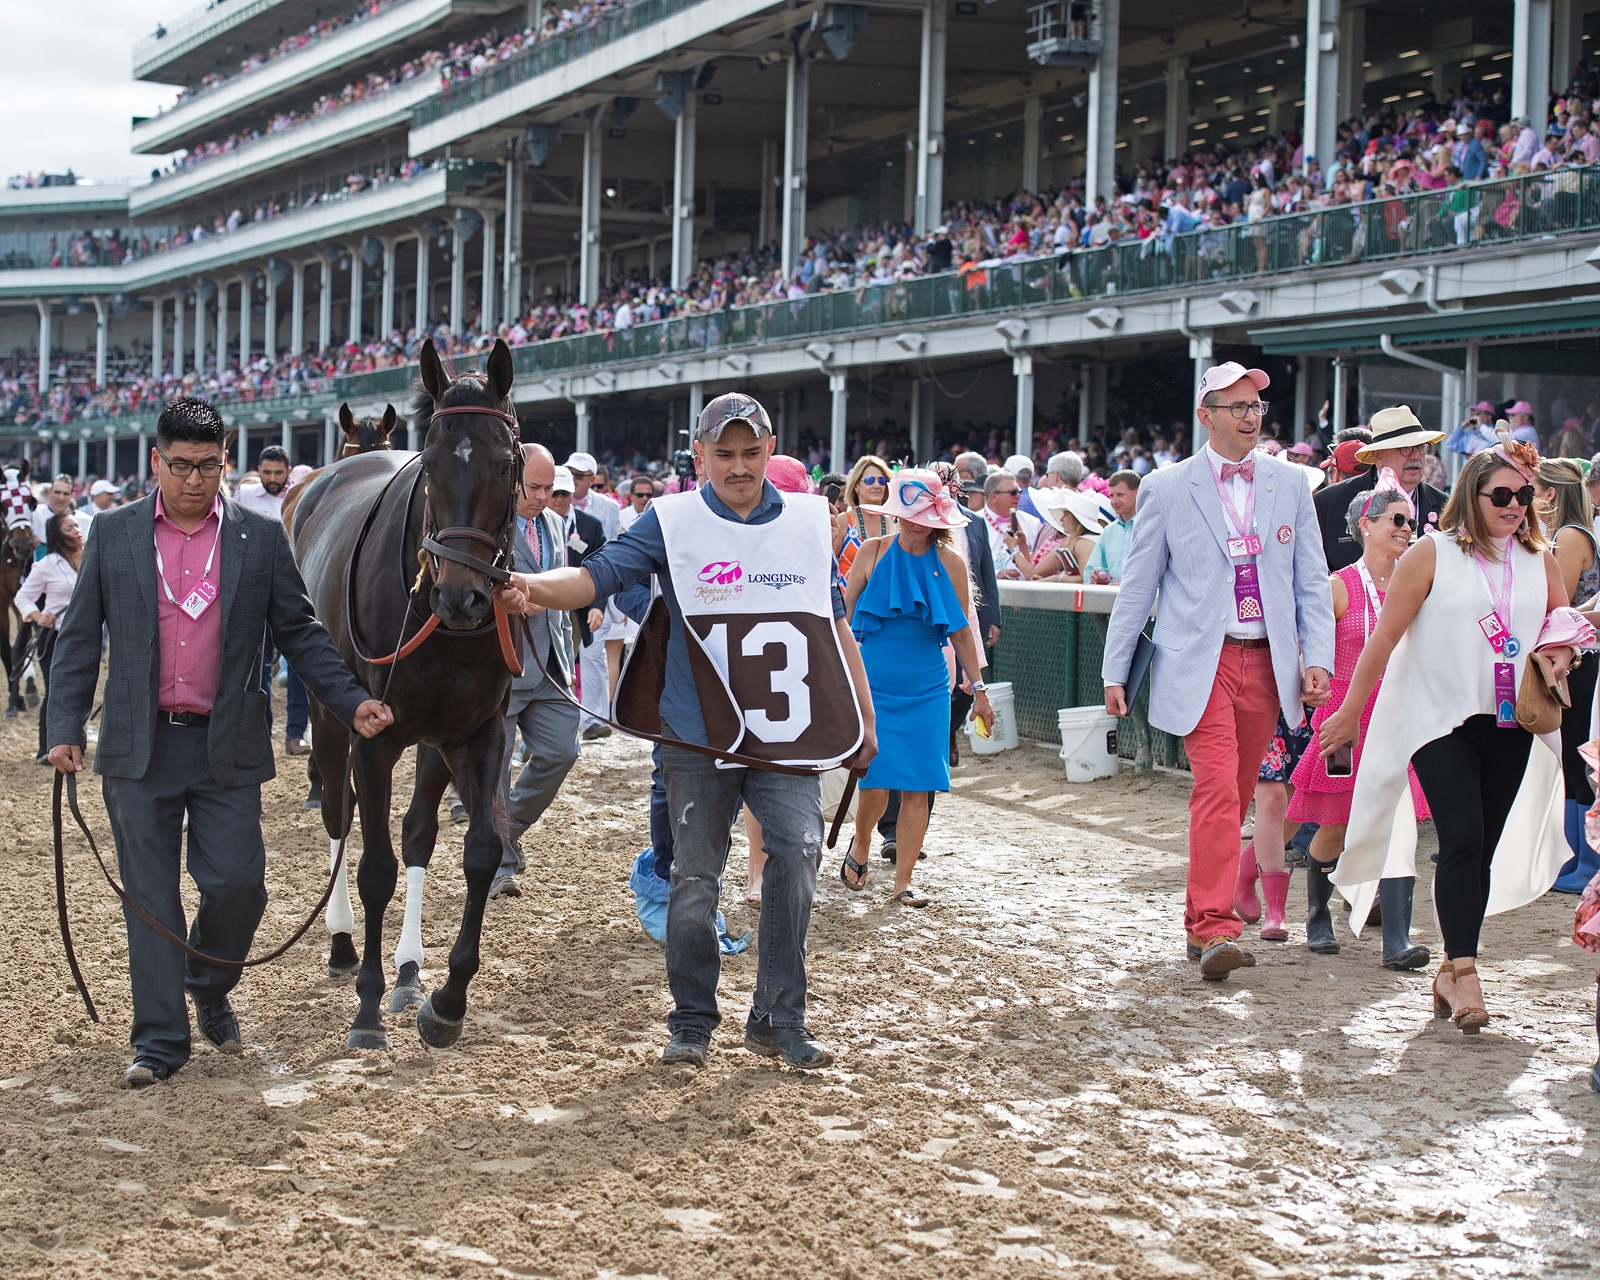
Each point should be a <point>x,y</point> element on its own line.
<point>733,407</point>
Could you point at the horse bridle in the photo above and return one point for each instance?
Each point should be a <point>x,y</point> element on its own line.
<point>433,543</point>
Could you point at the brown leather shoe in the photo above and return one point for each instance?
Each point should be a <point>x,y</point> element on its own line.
<point>1219,958</point>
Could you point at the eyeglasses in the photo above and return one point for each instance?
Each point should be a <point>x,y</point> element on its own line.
<point>640,493</point>
<point>1241,409</point>
<point>1401,520</point>
<point>875,480</point>
<point>182,468</point>
<point>1501,496</point>
<point>1007,493</point>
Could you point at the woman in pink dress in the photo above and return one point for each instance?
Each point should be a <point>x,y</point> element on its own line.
<point>1383,520</point>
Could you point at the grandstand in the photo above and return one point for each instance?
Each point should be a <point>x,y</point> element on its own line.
<point>658,200</point>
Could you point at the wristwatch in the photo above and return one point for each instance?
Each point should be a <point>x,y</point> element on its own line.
<point>978,686</point>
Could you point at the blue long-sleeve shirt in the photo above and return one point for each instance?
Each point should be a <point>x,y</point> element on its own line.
<point>630,560</point>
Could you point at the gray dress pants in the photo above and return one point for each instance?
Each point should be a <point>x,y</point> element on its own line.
<point>549,726</point>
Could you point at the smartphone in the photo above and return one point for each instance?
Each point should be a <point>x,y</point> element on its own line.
<point>981,727</point>
<point>1016,529</point>
<point>1341,762</point>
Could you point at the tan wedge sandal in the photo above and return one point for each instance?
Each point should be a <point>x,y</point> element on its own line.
<point>1467,1010</point>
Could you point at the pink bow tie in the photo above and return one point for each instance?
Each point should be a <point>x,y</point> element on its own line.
<point>1247,469</point>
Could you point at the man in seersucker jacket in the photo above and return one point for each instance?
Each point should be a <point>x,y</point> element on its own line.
<point>187,582</point>
<point>1230,539</point>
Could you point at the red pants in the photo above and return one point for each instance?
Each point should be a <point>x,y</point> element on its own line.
<point>1225,751</point>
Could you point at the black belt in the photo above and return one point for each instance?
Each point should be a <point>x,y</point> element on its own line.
<point>184,719</point>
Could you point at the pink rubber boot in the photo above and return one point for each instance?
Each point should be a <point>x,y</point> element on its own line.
<point>1245,900</point>
<point>1275,889</point>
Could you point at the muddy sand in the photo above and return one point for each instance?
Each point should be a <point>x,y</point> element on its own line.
<point>1031,1078</point>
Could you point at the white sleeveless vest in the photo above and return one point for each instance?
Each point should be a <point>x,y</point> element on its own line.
<point>757,601</point>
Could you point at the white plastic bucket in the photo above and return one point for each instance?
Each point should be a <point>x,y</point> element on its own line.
<point>1088,743</point>
<point>1003,732</point>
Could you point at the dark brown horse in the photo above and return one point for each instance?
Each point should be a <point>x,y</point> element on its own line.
<point>358,529</point>
<point>16,558</point>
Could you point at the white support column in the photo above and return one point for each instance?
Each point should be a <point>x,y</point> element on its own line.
<point>1032,117</point>
<point>358,285</point>
<point>837,442</point>
<point>413,436</point>
<point>589,221</point>
<point>1352,76</point>
<point>110,472</point>
<point>286,439</point>
<point>83,457</point>
<point>297,310</point>
<point>241,449</point>
<point>101,323</point>
<point>1322,81</point>
<point>44,305</point>
<point>1341,395</point>
<point>697,402</point>
<point>1022,367</point>
<point>199,330</point>
<point>1566,41</point>
<point>325,303</point>
<point>1530,62</point>
<point>488,313</point>
<point>329,441</point>
<point>144,458</point>
<point>222,326</point>
<point>511,256</point>
<point>458,279</point>
<point>1175,140</point>
<point>269,320</point>
<point>158,335</point>
<point>581,409</point>
<point>683,189</point>
<point>1105,97</point>
<point>55,457</point>
<point>177,334</point>
<point>247,309</point>
<point>796,103</point>
<point>1200,353</point>
<point>423,246</point>
<point>386,298</point>
<point>930,118</point>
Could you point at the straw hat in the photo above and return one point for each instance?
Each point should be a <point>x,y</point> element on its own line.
<point>1395,428</point>
<point>1085,508</point>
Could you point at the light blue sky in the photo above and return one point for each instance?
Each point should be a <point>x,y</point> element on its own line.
<point>69,87</point>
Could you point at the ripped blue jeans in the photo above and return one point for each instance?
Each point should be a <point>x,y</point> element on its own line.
<point>702,801</point>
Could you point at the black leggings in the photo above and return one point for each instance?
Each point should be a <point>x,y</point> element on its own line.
<point>1470,776</point>
<point>1575,728</point>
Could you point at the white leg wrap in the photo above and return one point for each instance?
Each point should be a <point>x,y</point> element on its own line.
<point>409,947</point>
<point>340,918</point>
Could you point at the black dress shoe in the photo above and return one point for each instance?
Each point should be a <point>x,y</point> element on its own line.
<point>145,1072</point>
<point>795,1045</point>
<point>691,1047</point>
<point>218,1024</point>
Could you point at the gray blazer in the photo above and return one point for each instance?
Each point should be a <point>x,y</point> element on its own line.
<point>1180,548</point>
<point>261,587</point>
<point>551,628</point>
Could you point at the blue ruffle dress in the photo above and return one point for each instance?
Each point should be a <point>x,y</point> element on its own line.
<point>905,612</point>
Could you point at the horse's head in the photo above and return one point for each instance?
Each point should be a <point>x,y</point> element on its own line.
<point>369,434</point>
<point>470,459</point>
<point>16,552</point>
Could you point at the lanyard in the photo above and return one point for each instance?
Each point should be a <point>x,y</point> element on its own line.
<point>1502,601</point>
<point>161,569</point>
<point>1242,526</point>
<point>1373,606</point>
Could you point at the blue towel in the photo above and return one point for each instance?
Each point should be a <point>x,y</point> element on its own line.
<point>650,904</point>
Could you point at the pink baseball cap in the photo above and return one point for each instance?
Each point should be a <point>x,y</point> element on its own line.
<point>1225,375</point>
<point>1521,406</point>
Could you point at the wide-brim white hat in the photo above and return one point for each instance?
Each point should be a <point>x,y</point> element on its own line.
<point>1086,508</point>
<point>1395,428</point>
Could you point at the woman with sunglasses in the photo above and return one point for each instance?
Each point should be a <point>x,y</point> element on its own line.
<point>1563,505</point>
<point>1466,608</point>
<point>1382,520</point>
<point>861,518</point>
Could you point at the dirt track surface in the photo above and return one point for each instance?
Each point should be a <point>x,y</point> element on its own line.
<point>1032,1080</point>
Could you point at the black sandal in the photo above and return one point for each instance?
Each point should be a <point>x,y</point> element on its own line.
<point>911,898</point>
<point>859,869</point>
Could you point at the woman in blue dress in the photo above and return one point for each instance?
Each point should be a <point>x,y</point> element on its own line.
<point>906,599</point>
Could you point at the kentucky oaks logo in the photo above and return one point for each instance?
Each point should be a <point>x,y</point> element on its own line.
<point>719,581</point>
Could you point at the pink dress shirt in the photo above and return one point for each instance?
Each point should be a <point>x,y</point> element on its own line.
<point>191,648</point>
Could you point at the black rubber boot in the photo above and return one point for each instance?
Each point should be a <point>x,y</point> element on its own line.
<point>1319,920</point>
<point>1394,896</point>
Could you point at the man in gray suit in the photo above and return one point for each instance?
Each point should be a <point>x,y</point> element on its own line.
<point>549,723</point>
<point>188,583</point>
<point>1244,632</point>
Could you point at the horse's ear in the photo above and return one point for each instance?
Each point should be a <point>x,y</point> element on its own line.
<point>501,373</point>
<point>347,420</point>
<point>387,424</point>
<point>23,468</point>
<point>434,381</point>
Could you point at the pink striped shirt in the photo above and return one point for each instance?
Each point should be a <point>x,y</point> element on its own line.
<point>191,648</point>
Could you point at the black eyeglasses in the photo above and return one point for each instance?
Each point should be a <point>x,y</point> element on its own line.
<point>1241,409</point>
<point>183,468</point>
<point>1501,496</point>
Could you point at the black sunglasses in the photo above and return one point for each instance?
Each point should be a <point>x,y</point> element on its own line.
<point>1501,496</point>
<point>1401,520</point>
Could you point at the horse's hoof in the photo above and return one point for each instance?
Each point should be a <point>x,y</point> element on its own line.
<point>438,1032</point>
<point>367,1038</point>
<point>33,701</point>
<point>11,713</point>
<point>407,991</point>
<point>312,802</point>
<point>343,962</point>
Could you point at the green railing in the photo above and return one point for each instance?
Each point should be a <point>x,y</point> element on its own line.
<point>547,55</point>
<point>288,408</point>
